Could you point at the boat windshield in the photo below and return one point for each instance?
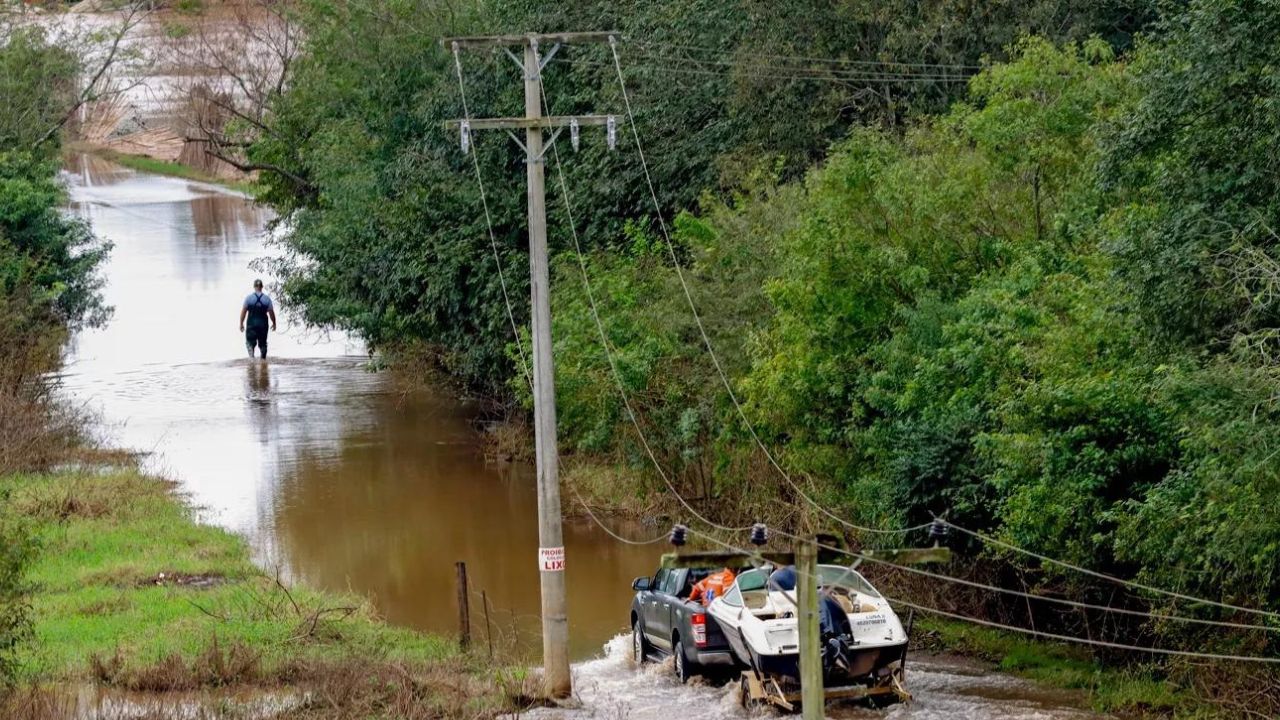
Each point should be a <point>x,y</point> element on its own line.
<point>752,580</point>
<point>836,575</point>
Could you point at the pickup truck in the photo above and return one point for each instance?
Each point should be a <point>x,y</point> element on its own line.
<point>664,622</point>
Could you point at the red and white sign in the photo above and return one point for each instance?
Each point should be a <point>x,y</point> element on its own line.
<point>551,559</point>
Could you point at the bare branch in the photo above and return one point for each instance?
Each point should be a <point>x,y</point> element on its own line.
<point>134,16</point>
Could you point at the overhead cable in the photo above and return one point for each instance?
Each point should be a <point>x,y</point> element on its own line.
<point>675,261</point>
<point>515,328</point>
<point>1023,594</point>
<point>604,341</point>
<point>1103,576</point>
<point>812,58</point>
<point>1037,633</point>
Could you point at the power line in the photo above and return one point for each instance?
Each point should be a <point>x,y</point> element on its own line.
<point>1039,633</point>
<point>1104,576</point>
<point>1086,641</point>
<point>515,328</point>
<point>842,80</point>
<point>662,223</point>
<point>811,58</point>
<point>1032,596</point>
<point>624,540</point>
<point>887,74</point>
<point>755,436</point>
<point>604,341</point>
<point>488,221</point>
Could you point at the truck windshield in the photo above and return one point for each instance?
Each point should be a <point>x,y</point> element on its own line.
<point>835,575</point>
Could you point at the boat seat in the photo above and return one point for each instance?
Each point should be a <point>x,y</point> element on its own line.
<point>755,599</point>
<point>851,605</point>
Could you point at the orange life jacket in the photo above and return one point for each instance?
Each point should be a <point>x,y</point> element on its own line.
<point>718,582</point>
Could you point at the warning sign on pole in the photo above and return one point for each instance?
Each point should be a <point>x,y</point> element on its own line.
<point>551,559</point>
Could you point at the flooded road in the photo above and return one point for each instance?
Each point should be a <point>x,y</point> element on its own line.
<point>335,474</point>
<point>344,480</point>
<point>943,689</point>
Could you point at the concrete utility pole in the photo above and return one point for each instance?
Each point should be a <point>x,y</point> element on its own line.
<point>555,623</point>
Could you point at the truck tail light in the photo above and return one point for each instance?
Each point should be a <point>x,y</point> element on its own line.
<point>699,624</point>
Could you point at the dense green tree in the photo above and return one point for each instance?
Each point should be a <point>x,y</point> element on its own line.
<point>1041,301</point>
<point>384,231</point>
<point>888,358</point>
<point>46,256</point>
<point>383,228</point>
<point>1194,167</point>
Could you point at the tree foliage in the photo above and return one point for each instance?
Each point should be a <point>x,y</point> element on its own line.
<point>384,230</point>
<point>48,285</point>
<point>1042,301</point>
<point>45,256</point>
<point>1193,166</point>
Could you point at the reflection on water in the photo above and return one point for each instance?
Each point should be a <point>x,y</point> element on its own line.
<point>337,477</point>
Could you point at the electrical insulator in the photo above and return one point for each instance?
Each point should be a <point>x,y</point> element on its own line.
<point>678,535</point>
<point>611,132</point>
<point>573,133</point>
<point>465,127</point>
<point>759,534</point>
<point>938,530</point>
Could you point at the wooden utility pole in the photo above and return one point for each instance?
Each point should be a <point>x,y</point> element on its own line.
<point>812,698</point>
<point>551,560</point>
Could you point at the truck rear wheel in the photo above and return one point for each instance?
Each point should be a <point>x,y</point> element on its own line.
<point>685,668</point>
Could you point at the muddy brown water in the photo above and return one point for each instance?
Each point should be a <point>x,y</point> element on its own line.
<point>335,474</point>
<point>341,479</point>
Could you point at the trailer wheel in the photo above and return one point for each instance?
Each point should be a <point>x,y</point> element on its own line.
<point>639,644</point>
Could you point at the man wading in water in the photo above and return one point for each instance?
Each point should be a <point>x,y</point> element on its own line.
<point>258,307</point>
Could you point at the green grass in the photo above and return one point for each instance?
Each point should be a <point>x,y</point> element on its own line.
<point>146,163</point>
<point>105,540</point>
<point>1129,691</point>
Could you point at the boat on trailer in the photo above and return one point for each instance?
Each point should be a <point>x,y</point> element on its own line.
<point>864,644</point>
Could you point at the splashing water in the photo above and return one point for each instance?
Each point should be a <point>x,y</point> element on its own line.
<point>613,687</point>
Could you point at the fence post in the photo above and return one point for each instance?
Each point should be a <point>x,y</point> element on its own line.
<point>464,609</point>
<point>488,629</point>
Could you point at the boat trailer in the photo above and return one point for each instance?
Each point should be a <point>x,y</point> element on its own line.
<point>759,689</point>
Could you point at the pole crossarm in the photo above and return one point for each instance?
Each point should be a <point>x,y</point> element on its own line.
<point>564,38</point>
<point>525,123</point>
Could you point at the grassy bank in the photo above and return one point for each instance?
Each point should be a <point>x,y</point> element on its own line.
<point>146,163</point>
<point>129,591</point>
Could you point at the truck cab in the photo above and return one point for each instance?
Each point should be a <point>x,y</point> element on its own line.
<point>665,622</point>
